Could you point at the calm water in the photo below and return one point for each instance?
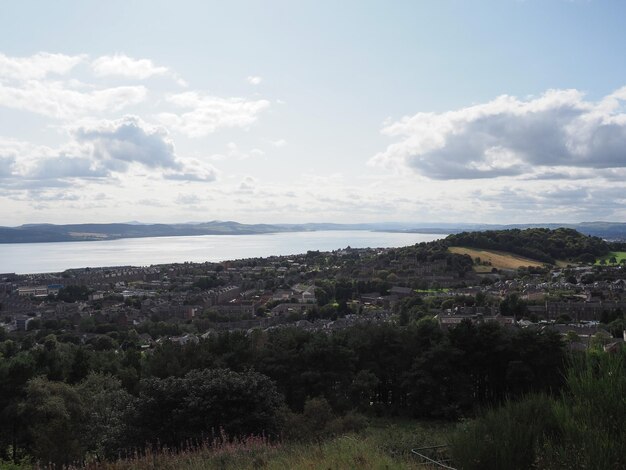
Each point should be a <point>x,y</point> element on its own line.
<point>52,257</point>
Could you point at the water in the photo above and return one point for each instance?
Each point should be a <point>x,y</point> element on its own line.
<point>24,258</point>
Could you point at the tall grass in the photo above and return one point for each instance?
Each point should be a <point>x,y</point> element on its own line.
<point>508,437</point>
<point>382,445</point>
<point>583,428</point>
<point>592,415</point>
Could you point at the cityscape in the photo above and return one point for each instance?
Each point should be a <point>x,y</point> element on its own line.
<point>316,235</point>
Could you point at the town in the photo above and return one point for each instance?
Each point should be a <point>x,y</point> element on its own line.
<point>96,363</point>
<point>315,291</point>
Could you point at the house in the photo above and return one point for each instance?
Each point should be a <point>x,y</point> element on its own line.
<point>401,292</point>
<point>281,309</point>
<point>450,320</point>
<point>35,291</point>
<point>21,322</point>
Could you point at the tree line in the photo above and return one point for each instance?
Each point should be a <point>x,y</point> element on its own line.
<point>61,402</point>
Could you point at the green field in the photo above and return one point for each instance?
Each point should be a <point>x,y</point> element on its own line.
<point>619,256</point>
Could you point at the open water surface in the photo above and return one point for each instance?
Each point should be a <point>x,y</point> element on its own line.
<point>53,257</point>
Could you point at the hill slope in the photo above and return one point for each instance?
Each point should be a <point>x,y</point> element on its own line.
<point>539,244</point>
<point>495,259</point>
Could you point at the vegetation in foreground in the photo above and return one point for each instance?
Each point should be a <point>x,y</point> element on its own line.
<point>381,444</point>
<point>63,403</point>
<point>581,428</point>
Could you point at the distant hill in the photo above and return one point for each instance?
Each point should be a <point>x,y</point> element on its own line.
<point>33,233</point>
<point>614,231</point>
<point>38,233</point>
<point>539,244</point>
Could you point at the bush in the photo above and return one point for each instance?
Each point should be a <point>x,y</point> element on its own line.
<point>317,422</point>
<point>582,429</point>
<point>507,437</point>
<point>591,415</point>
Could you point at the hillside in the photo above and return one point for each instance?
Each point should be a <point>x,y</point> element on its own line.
<point>540,244</point>
<point>494,259</point>
<point>90,232</point>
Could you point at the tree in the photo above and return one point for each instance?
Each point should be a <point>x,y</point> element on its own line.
<point>513,306</point>
<point>53,413</point>
<point>80,366</point>
<point>177,409</point>
<point>72,294</point>
<point>363,388</point>
<point>105,429</point>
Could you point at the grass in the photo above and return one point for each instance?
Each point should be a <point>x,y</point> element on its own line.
<point>495,259</point>
<point>619,256</point>
<point>382,445</point>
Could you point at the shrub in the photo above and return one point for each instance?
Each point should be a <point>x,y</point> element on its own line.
<point>590,415</point>
<point>507,437</point>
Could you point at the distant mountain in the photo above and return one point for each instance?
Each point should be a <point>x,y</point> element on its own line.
<point>40,233</point>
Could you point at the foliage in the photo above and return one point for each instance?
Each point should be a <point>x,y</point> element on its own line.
<point>72,294</point>
<point>513,306</point>
<point>206,283</point>
<point>581,428</point>
<point>537,243</point>
<point>50,413</point>
<point>118,399</point>
<point>382,445</point>
<point>590,415</point>
<point>612,258</point>
<point>176,410</point>
<point>507,437</point>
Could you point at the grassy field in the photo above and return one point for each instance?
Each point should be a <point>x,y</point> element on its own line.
<point>498,259</point>
<point>382,445</point>
<point>619,256</point>
<point>432,291</point>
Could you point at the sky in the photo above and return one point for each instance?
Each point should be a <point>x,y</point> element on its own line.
<point>483,111</point>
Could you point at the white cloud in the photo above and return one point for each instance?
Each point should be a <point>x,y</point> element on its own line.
<point>233,151</point>
<point>37,66</point>
<point>509,137</point>
<point>129,140</point>
<point>279,143</point>
<point>248,185</point>
<point>67,167</point>
<point>55,99</point>
<point>194,171</point>
<point>102,150</point>
<point>254,80</point>
<point>121,65</point>
<point>188,199</point>
<point>6,165</point>
<point>209,113</point>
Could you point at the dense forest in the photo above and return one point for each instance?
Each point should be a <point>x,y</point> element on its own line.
<point>62,402</point>
<point>541,244</point>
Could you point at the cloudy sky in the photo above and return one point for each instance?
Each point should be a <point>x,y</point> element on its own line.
<point>313,111</point>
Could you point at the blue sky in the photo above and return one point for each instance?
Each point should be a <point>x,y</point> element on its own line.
<point>282,111</point>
